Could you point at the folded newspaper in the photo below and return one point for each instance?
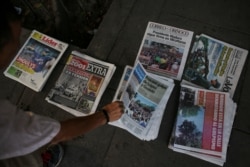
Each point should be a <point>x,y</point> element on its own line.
<point>145,97</point>
<point>81,84</point>
<point>123,82</point>
<point>214,64</point>
<point>36,60</point>
<point>203,124</point>
<point>164,50</point>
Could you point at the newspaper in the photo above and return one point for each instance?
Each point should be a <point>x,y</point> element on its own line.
<point>145,97</point>
<point>81,84</point>
<point>123,82</point>
<point>164,50</point>
<point>204,123</point>
<point>215,65</point>
<point>36,60</point>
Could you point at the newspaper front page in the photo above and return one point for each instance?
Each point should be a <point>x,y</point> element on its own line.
<point>164,50</point>
<point>215,65</point>
<point>81,84</point>
<point>36,60</point>
<point>145,97</point>
<point>204,123</point>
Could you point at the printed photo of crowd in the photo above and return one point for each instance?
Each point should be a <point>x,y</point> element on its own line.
<point>161,57</point>
<point>141,110</point>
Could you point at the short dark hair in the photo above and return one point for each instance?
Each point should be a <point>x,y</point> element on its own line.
<point>8,14</point>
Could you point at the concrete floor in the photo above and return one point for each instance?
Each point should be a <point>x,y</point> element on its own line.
<point>118,41</point>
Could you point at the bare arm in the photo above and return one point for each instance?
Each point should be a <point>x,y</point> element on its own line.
<point>80,125</point>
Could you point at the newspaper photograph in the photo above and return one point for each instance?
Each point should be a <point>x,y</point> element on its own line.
<point>35,60</point>
<point>81,84</point>
<point>214,64</point>
<point>204,123</point>
<point>164,50</point>
<point>145,98</point>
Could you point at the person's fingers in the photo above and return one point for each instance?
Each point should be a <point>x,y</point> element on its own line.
<point>114,107</point>
<point>120,103</point>
<point>114,110</point>
<point>118,113</point>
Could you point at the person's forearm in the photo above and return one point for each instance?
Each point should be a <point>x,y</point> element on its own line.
<point>78,126</point>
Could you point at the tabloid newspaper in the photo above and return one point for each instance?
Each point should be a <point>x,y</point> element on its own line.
<point>204,123</point>
<point>81,84</point>
<point>36,60</point>
<point>215,65</point>
<point>164,50</point>
<point>145,97</point>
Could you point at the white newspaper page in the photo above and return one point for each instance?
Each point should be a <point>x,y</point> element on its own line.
<point>121,88</point>
<point>164,50</point>
<point>157,118</point>
<point>144,98</point>
<point>125,76</point>
<point>81,84</point>
<point>215,65</point>
<point>36,60</point>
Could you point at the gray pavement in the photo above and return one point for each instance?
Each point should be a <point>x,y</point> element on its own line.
<point>118,41</point>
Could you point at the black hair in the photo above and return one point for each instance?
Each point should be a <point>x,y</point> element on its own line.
<point>8,13</point>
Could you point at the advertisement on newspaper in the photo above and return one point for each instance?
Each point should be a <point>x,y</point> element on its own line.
<point>143,98</point>
<point>164,50</point>
<point>79,84</point>
<point>201,125</point>
<point>214,64</point>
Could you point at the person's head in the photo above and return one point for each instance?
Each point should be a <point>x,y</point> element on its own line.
<point>215,83</point>
<point>10,29</point>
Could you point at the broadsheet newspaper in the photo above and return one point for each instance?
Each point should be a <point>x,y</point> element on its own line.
<point>36,60</point>
<point>214,64</point>
<point>164,50</point>
<point>81,84</point>
<point>204,123</point>
<point>145,97</point>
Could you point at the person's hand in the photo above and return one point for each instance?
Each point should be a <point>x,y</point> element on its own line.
<point>114,110</point>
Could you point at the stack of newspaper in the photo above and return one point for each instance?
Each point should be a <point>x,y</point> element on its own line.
<point>206,110</point>
<point>81,84</point>
<point>214,64</point>
<point>160,59</point>
<point>36,60</point>
<point>164,50</point>
<point>203,124</point>
<point>145,97</point>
